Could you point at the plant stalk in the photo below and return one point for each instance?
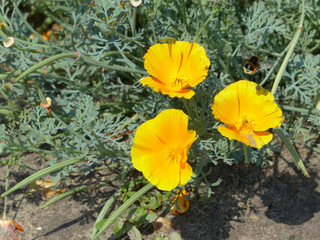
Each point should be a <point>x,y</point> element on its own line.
<point>290,51</point>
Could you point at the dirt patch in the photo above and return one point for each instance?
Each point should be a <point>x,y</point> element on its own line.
<point>274,202</point>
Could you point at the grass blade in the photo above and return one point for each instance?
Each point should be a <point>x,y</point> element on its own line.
<point>292,150</point>
<point>104,224</point>
<point>103,212</point>
<point>40,174</point>
<point>75,190</point>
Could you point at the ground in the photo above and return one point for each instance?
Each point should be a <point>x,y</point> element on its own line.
<point>267,203</point>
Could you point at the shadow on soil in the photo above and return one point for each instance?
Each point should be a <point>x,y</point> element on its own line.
<point>276,194</point>
<point>280,193</point>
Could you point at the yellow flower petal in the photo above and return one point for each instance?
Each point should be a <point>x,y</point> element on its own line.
<point>159,171</point>
<point>253,139</point>
<point>145,143</point>
<point>185,173</point>
<point>160,149</point>
<point>172,128</point>
<point>175,67</point>
<point>248,110</point>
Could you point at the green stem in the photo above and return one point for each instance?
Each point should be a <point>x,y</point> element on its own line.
<point>270,72</point>
<point>133,19</point>
<point>2,20</point>
<point>104,224</point>
<point>76,190</point>
<point>264,51</point>
<point>45,62</point>
<point>27,24</point>
<point>186,105</point>
<point>133,118</point>
<point>104,211</point>
<point>313,148</point>
<point>301,110</point>
<point>292,150</point>
<point>113,67</point>
<point>3,35</point>
<point>214,11</point>
<point>290,51</point>
<point>155,40</point>
<point>31,43</point>
<point>245,151</point>
<point>3,94</point>
<point>42,173</point>
<point>202,11</point>
<point>184,13</point>
<point>42,98</point>
<point>12,159</point>
<point>17,73</point>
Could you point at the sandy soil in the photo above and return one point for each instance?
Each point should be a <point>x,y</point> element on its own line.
<point>270,203</point>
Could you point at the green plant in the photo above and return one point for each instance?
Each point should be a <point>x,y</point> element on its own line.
<point>91,68</point>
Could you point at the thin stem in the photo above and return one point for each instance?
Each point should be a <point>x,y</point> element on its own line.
<point>133,19</point>
<point>2,20</point>
<point>274,65</point>
<point>301,110</point>
<point>312,147</point>
<point>184,13</point>
<point>27,24</point>
<point>245,151</point>
<point>214,11</point>
<point>12,159</point>
<point>202,11</point>
<point>113,67</point>
<point>43,100</point>
<point>263,50</point>
<point>3,35</point>
<point>104,210</point>
<point>153,32</point>
<point>45,62</point>
<point>31,43</point>
<point>104,224</point>
<point>186,105</point>
<point>3,94</point>
<point>78,189</point>
<point>290,51</point>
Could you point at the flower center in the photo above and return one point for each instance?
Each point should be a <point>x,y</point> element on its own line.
<point>246,125</point>
<point>179,82</point>
<point>176,154</point>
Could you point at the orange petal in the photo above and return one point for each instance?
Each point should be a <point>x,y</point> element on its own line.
<point>174,67</point>
<point>254,139</point>
<point>158,170</point>
<point>225,107</point>
<point>152,82</point>
<point>158,86</point>
<point>172,128</point>
<point>246,100</point>
<point>195,62</point>
<point>185,173</point>
<point>145,142</point>
<point>160,149</point>
<point>185,93</point>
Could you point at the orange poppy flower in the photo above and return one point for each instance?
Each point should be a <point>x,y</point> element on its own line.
<point>183,203</point>
<point>47,105</point>
<point>248,110</point>
<point>10,230</point>
<point>175,67</point>
<point>160,149</point>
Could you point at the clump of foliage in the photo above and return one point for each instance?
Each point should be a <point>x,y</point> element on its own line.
<point>87,57</point>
